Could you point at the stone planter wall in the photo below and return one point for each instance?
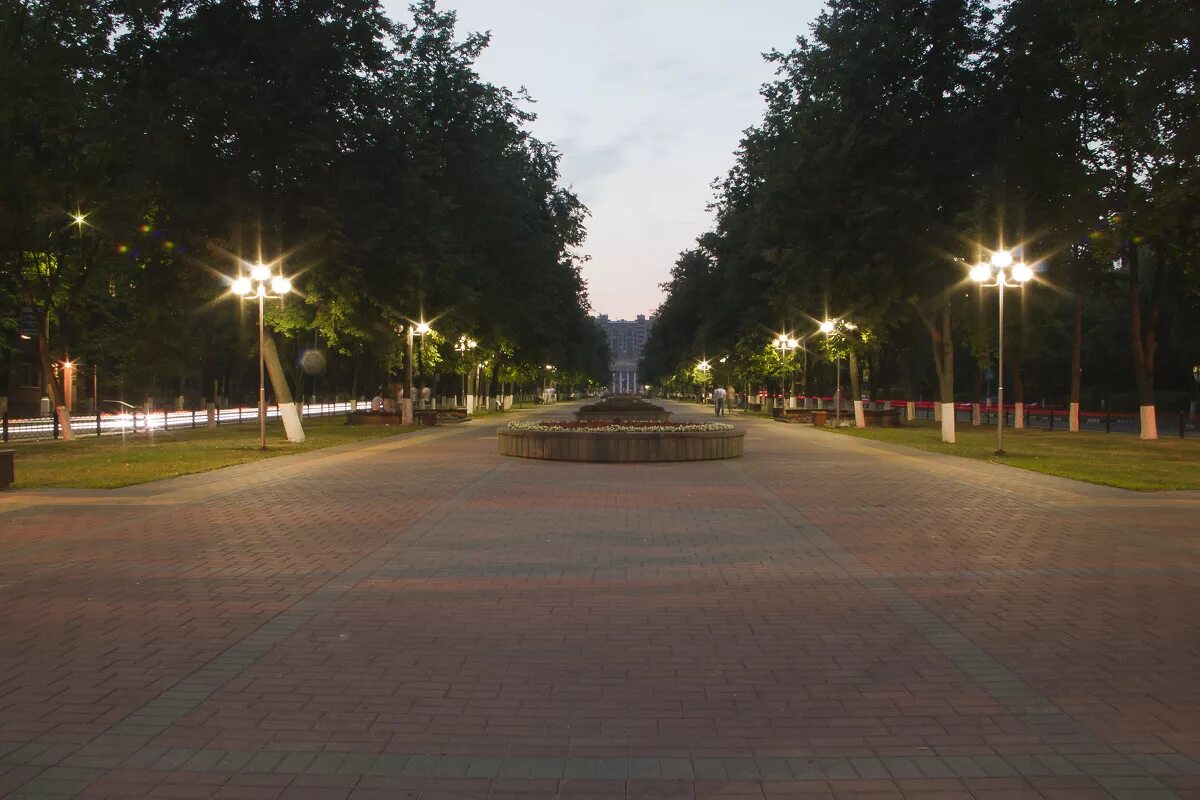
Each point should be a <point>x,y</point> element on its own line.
<point>621,447</point>
<point>623,416</point>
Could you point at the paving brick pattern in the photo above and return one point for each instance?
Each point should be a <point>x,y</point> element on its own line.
<point>421,618</point>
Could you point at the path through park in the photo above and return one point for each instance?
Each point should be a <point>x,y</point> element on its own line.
<point>420,618</point>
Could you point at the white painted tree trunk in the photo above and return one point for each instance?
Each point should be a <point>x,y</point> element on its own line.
<point>291,422</point>
<point>1074,423</point>
<point>947,410</point>
<point>1149,422</point>
<point>64,423</point>
<point>508,402</point>
<point>860,419</point>
<point>976,416</point>
<point>910,411</point>
<point>1019,416</point>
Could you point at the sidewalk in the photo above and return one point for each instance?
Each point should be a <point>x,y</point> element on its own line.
<point>421,618</point>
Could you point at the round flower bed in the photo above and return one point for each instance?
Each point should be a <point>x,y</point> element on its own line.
<point>601,441</point>
<point>618,427</point>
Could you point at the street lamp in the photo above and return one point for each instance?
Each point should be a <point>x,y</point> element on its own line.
<point>420,328</point>
<point>68,370</point>
<point>465,346</point>
<point>786,345</point>
<point>828,328</point>
<point>257,283</point>
<point>997,270</point>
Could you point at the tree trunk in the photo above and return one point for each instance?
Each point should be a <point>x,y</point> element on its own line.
<point>354,381</point>
<point>946,373</point>
<point>283,394</point>
<point>1144,342</point>
<point>55,391</point>
<point>860,420</point>
<point>1018,393</point>
<point>1076,360</point>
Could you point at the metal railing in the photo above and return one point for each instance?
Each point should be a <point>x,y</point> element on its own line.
<point>142,421</point>
<point>1179,424</point>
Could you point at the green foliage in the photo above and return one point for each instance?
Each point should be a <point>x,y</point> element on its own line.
<point>365,156</point>
<point>902,141</point>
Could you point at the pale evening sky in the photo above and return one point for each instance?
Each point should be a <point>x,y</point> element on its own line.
<point>647,102</point>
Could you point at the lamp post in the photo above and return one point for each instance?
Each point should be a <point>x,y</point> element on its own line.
<point>256,284</point>
<point>829,328</point>
<point>466,346</point>
<point>704,368</point>
<point>997,270</point>
<point>419,328</point>
<point>786,345</point>
<point>68,385</point>
<point>724,376</point>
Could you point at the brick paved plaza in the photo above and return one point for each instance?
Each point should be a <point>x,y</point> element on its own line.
<point>420,618</point>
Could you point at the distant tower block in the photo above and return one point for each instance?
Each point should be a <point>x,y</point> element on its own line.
<point>626,338</point>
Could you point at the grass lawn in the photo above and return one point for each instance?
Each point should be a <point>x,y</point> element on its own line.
<point>1106,458</point>
<point>107,462</point>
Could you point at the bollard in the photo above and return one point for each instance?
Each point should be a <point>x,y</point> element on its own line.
<point>193,419</point>
<point>166,419</point>
<point>55,425</point>
<point>97,420</point>
<point>1108,422</point>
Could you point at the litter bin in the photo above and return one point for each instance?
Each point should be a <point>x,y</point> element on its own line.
<point>819,417</point>
<point>7,471</point>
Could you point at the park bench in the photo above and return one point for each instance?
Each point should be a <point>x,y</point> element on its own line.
<point>443,416</point>
<point>804,416</point>
<point>7,470</point>
<point>882,417</point>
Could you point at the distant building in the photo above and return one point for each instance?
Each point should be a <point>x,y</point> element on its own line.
<point>626,338</point>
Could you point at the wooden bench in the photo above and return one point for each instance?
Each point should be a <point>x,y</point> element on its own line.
<point>882,417</point>
<point>804,416</point>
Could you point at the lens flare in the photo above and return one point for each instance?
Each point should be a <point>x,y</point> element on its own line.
<point>980,273</point>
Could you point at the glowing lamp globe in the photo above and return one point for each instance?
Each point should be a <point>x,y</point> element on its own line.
<point>1001,259</point>
<point>261,273</point>
<point>241,286</point>
<point>280,285</point>
<point>1021,272</point>
<point>980,273</point>
<point>827,326</point>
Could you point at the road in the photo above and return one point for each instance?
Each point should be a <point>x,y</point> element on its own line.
<point>418,617</point>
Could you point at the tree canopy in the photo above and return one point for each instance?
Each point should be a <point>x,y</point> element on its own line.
<point>904,141</point>
<point>151,150</point>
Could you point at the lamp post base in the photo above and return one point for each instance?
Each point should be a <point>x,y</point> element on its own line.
<point>1000,453</point>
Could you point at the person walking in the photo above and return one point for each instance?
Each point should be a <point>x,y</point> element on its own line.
<point>719,400</point>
